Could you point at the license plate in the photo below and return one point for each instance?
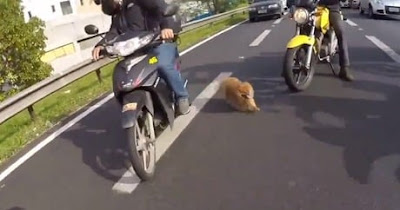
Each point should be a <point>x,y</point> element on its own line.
<point>262,11</point>
<point>393,9</point>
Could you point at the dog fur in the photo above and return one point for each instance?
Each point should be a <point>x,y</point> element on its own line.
<point>239,95</point>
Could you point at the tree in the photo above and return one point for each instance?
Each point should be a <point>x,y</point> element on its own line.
<point>21,47</point>
<point>220,6</point>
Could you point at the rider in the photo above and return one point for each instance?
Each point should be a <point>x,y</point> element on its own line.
<point>132,15</point>
<point>155,5</point>
<point>336,20</point>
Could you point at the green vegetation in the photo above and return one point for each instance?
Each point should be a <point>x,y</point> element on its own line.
<point>21,47</point>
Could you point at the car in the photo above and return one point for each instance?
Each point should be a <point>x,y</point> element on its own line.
<point>375,8</point>
<point>265,8</point>
<point>355,4</point>
<point>345,4</point>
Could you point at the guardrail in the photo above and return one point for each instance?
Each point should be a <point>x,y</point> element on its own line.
<point>28,97</point>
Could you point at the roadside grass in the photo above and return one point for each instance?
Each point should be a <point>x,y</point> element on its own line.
<point>20,130</point>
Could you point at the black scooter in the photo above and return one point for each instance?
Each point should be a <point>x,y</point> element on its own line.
<point>147,102</point>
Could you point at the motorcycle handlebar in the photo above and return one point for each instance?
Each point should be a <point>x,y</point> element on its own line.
<point>156,41</point>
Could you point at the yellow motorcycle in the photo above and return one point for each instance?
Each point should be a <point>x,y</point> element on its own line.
<point>315,41</point>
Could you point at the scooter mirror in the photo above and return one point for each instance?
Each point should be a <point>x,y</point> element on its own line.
<point>91,29</point>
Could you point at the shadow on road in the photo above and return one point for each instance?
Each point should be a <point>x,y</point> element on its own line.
<point>366,108</point>
<point>370,126</point>
<point>16,208</point>
<point>369,130</point>
<point>102,139</point>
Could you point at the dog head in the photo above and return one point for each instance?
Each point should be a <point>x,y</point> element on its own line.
<point>247,92</point>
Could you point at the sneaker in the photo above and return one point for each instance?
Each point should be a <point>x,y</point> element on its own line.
<point>183,106</point>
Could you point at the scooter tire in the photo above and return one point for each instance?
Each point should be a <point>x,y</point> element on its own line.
<point>134,156</point>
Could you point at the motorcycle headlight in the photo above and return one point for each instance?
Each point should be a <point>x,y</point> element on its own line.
<point>300,15</point>
<point>125,48</point>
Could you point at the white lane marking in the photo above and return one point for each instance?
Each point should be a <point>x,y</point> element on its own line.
<point>391,53</point>
<point>211,37</point>
<point>129,181</point>
<point>277,21</point>
<point>351,23</point>
<point>260,38</point>
<point>168,137</point>
<point>52,136</point>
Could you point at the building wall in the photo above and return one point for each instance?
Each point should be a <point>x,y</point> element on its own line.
<point>87,6</point>
<point>64,47</point>
<point>48,10</point>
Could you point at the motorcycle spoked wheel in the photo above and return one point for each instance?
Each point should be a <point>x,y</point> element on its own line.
<point>297,76</point>
<point>141,146</point>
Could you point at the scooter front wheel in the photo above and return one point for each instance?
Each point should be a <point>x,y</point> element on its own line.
<point>141,145</point>
<point>297,76</point>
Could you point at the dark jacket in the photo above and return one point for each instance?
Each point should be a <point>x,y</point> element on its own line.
<point>136,18</point>
<point>332,4</point>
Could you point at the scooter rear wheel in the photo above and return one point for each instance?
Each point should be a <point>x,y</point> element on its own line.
<point>141,146</point>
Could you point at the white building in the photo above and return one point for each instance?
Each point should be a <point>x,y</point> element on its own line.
<point>48,10</point>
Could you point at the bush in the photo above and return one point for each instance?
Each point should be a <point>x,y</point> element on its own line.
<point>21,47</point>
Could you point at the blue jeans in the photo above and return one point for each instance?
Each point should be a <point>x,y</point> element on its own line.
<point>167,54</point>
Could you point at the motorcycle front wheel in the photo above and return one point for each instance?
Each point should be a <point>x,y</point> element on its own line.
<point>297,76</point>
<point>141,146</point>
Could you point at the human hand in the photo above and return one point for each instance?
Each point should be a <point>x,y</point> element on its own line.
<point>167,33</point>
<point>96,52</point>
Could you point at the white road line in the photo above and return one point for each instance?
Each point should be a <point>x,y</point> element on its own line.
<point>260,38</point>
<point>351,23</point>
<point>277,21</point>
<point>168,137</point>
<point>52,136</point>
<point>391,53</point>
<point>129,181</point>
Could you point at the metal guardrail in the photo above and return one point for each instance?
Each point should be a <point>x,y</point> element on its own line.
<point>28,97</point>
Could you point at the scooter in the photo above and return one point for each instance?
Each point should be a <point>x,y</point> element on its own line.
<point>147,102</point>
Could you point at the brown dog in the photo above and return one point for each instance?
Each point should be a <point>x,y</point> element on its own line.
<point>240,95</point>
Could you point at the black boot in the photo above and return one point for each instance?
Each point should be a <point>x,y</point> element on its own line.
<point>345,74</point>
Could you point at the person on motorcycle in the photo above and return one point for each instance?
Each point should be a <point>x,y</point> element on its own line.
<point>335,20</point>
<point>131,15</point>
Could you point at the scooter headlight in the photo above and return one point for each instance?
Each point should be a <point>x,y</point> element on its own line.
<point>125,48</point>
<point>300,15</point>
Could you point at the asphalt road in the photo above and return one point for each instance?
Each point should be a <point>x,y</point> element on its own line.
<point>334,146</point>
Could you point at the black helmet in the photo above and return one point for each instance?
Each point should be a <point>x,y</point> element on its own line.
<point>111,7</point>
